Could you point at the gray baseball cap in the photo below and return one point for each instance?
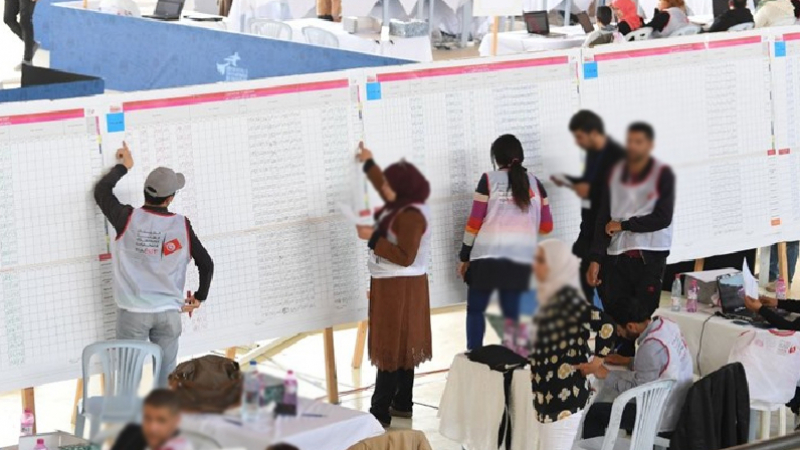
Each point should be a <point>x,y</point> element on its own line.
<point>163,182</point>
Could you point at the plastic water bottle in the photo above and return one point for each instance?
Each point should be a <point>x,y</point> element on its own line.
<point>780,289</point>
<point>26,423</point>
<point>40,445</point>
<point>691,297</point>
<point>251,393</point>
<point>289,403</point>
<point>677,293</point>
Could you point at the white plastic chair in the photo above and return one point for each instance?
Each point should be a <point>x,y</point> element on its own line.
<point>320,37</point>
<point>787,22</point>
<point>642,34</point>
<point>765,411</point>
<point>650,399</point>
<point>688,30</point>
<point>271,29</point>
<point>122,364</point>
<point>200,441</point>
<point>742,27</point>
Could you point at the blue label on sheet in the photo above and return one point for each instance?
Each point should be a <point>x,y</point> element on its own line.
<point>780,49</point>
<point>373,91</point>
<point>590,70</point>
<point>116,122</point>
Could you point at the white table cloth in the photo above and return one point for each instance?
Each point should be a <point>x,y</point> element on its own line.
<point>717,340</point>
<point>472,406</point>
<point>398,9</point>
<point>413,49</point>
<point>331,428</point>
<point>522,41</point>
<point>243,10</point>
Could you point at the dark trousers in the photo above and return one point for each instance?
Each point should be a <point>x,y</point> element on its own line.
<point>478,301</point>
<point>395,390</point>
<point>629,279</point>
<point>23,28</point>
<point>598,416</point>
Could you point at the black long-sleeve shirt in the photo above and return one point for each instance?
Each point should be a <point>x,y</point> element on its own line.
<point>732,17</point>
<point>596,172</point>
<point>660,218</point>
<point>779,321</point>
<point>118,215</point>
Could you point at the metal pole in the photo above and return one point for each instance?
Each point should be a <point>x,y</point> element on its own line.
<point>420,9</point>
<point>466,22</point>
<point>385,13</point>
<point>431,23</point>
<point>567,12</point>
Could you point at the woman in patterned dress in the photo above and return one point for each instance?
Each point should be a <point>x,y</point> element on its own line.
<point>564,322</point>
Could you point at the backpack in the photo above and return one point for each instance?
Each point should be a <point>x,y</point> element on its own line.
<point>209,384</point>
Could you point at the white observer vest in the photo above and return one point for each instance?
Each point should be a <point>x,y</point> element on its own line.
<point>771,360</point>
<point>633,200</point>
<point>507,231</point>
<point>150,260</point>
<point>383,268</point>
<point>679,368</point>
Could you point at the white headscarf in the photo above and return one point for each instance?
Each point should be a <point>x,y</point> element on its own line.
<point>564,270</point>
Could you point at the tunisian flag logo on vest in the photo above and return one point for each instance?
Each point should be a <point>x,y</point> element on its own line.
<point>171,247</point>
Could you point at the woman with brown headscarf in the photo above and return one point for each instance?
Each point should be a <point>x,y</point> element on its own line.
<point>399,307</point>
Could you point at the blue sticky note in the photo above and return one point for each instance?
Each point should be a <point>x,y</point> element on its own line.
<point>373,91</point>
<point>590,70</point>
<point>116,122</point>
<point>780,49</point>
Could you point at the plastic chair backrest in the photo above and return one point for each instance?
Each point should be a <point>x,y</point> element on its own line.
<point>742,27</point>
<point>122,363</point>
<point>271,28</point>
<point>320,37</point>
<point>642,34</point>
<point>688,30</point>
<point>650,400</point>
<point>200,441</point>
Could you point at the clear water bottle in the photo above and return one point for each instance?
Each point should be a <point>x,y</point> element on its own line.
<point>40,445</point>
<point>26,423</point>
<point>289,403</point>
<point>691,297</point>
<point>251,393</point>
<point>677,293</point>
<point>780,289</point>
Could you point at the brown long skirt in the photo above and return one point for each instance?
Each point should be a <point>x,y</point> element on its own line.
<point>399,323</point>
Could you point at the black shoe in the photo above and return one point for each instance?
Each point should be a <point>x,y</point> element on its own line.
<point>327,17</point>
<point>400,414</point>
<point>385,420</point>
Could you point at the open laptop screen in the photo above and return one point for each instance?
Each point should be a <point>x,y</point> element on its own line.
<point>169,8</point>
<point>537,22</point>
<point>731,290</point>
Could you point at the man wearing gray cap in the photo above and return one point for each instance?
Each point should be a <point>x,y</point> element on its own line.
<point>151,253</point>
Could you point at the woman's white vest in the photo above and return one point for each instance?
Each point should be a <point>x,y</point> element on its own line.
<point>677,20</point>
<point>679,368</point>
<point>634,200</point>
<point>150,259</point>
<point>507,231</point>
<point>382,268</point>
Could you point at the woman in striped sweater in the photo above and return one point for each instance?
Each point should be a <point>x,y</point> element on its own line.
<point>509,209</point>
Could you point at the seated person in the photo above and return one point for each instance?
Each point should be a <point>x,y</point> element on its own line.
<point>737,15</point>
<point>775,13</point>
<point>604,34</point>
<point>627,16</point>
<point>669,17</point>
<point>662,354</point>
<point>161,417</point>
<point>564,322</point>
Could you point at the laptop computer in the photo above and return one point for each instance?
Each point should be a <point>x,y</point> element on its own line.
<point>167,10</point>
<point>731,297</point>
<point>537,22</point>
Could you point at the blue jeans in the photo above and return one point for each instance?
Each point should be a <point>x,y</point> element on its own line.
<point>792,252</point>
<point>477,302</point>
